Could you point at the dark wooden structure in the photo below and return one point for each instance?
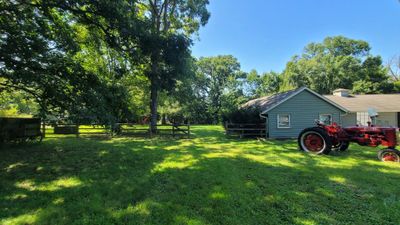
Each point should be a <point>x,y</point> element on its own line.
<point>20,129</point>
<point>245,129</point>
<point>66,129</point>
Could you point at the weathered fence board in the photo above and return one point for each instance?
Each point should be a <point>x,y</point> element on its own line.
<point>20,129</point>
<point>245,129</point>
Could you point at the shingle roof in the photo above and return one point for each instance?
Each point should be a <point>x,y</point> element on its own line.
<point>267,102</point>
<point>361,103</point>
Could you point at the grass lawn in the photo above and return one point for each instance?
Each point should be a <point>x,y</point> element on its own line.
<point>209,179</point>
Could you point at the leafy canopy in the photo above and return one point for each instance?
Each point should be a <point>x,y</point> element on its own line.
<point>337,62</point>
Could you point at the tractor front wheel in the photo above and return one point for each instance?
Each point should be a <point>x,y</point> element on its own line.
<point>315,140</point>
<point>389,155</point>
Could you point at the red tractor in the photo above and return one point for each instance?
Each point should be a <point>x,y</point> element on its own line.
<point>324,138</point>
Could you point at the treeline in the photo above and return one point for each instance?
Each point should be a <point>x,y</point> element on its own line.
<point>220,87</point>
<point>118,61</point>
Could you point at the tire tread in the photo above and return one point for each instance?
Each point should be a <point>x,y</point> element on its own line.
<point>324,135</point>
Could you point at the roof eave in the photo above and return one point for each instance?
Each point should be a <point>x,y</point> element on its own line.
<point>289,97</point>
<point>312,92</point>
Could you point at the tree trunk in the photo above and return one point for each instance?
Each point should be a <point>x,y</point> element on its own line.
<point>164,119</point>
<point>153,106</point>
<point>216,117</point>
<point>154,60</point>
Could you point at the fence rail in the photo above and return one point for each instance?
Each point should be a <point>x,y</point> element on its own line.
<point>245,129</point>
<point>120,129</point>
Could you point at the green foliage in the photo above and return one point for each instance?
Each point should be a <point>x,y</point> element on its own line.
<point>17,105</point>
<point>262,85</point>
<point>219,84</point>
<point>241,115</point>
<point>46,54</point>
<point>10,111</point>
<point>170,108</point>
<point>97,60</point>
<point>337,62</point>
<point>397,86</point>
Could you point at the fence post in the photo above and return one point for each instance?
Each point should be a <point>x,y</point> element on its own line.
<point>188,125</point>
<point>227,130</point>
<point>173,130</point>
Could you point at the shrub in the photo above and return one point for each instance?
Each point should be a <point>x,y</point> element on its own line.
<point>243,115</point>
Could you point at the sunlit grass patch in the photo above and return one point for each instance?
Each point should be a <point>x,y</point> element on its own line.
<point>65,182</point>
<point>208,179</point>
<point>28,218</point>
<point>49,186</point>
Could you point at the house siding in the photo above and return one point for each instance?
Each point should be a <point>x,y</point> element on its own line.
<point>387,119</point>
<point>383,119</point>
<point>349,119</point>
<point>304,109</point>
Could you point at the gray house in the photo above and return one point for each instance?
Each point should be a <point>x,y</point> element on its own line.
<point>288,113</point>
<point>386,105</point>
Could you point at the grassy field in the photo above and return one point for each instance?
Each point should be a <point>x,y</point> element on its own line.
<point>209,179</point>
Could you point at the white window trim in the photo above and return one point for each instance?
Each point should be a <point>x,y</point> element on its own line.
<point>279,121</point>
<point>326,114</point>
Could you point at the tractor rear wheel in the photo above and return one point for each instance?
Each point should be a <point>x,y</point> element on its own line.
<point>315,140</point>
<point>341,146</point>
<point>389,155</point>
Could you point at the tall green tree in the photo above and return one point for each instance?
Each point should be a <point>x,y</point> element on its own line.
<point>337,62</point>
<point>270,83</point>
<point>221,76</point>
<point>373,78</point>
<point>171,24</point>
<point>252,83</point>
<point>262,85</point>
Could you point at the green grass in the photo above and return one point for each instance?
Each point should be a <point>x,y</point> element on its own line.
<point>209,179</point>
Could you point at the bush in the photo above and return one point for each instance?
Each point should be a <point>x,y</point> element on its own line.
<point>248,115</point>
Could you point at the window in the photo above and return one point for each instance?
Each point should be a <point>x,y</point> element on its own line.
<point>363,118</point>
<point>325,119</point>
<point>283,121</point>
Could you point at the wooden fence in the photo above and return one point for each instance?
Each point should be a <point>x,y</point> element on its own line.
<point>20,129</point>
<point>120,129</point>
<point>245,129</point>
<point>175,130</point>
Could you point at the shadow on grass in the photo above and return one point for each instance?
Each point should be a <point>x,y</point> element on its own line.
<point>206,180</point>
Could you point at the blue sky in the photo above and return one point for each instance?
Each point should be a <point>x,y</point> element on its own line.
<point>265,34</point>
